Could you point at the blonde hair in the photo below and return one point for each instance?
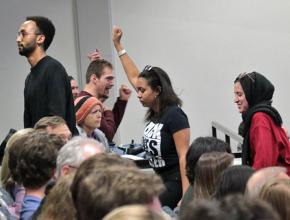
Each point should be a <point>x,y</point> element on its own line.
<point>277,194</point>
<point>134,212</point>
<point>6,179</point>
<point>208,169</point>
<point>60,194</point>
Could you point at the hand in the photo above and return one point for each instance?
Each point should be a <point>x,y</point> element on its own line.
<point>95,55</point>
<point>117,35</point>
<point>125,93</point>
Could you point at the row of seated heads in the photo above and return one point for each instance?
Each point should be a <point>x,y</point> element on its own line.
<point>33,158</point>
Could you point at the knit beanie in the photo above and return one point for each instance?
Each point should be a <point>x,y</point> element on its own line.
<point>83,106</point>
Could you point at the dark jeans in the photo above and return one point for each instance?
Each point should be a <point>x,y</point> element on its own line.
<point>173,193</point>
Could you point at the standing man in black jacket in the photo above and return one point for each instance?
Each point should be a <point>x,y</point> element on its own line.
<point>47,89</point>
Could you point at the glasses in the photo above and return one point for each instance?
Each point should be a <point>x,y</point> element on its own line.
<point>245,74</point>
<point>23,34</point>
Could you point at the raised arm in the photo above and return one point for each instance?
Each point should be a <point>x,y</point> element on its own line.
<point>128,64</point>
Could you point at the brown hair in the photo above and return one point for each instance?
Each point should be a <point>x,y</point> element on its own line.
<point>277,193</point>
<point>13,147</point>
<point>60,194</point>
<point>207,172</point>
<point>234,206</point>
<point>99,188</point>
<point>96,67</point>
<point>37,159</point>
<point>51,121</point>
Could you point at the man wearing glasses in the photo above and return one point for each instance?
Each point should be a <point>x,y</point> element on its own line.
<point>47,89</point>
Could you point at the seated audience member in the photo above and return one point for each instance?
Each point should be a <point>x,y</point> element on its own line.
<point>74,87</point>
<point>88,115</point>
<point>36,167</point>
<point>232,207</point>
<point>234,180</point>
<point>265,142</point>
<point>134,212</point>
<point>7,182</point>
<point>58,203</point>
<point>9,173</point>
<point>198,147</point>
<point>277,194</point>
<point>262,176</point>
<point>74,152</point>
<point>209,168</point>
<point>99,81</point>
<point>70,156</point>
<point>54,125</point>
<point>98,188</point>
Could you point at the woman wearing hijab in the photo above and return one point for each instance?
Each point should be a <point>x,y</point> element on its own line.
<point>265,141</point>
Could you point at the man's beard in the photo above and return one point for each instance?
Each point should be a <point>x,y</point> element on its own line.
<point>28,50</point>
<point>104,98</point>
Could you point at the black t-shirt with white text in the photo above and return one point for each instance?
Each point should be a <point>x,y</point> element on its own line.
<point>158,140</point>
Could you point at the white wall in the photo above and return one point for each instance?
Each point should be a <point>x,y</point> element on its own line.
<point>203,45</point>
<point>14,68</point>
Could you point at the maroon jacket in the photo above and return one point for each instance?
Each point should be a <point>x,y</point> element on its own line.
<point>110,119</point>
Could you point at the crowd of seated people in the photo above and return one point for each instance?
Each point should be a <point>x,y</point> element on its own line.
<point>48,174</point>
<point>46,178</point>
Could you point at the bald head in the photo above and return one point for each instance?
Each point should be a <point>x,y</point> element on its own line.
<point>260,177</point>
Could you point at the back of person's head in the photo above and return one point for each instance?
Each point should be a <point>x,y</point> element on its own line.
<point>260,177</point>
<point>232,207</point>
<point>234,180</point>
<point>277,193</point>
<point>13,147</point>
<point>74,152</point>
<point>160,82</point>
<point>96,68</point>
<point>45,27</point>
<point>60,194</point>
<point>134,212</point>
<point>54,125</point>
<point>207,173</point>
<point>105,188</point>
<point>200,146</point>
<point>101,161</point>
<point>49,121</point>
<point>37,159</point>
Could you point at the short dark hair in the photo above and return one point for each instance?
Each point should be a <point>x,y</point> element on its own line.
<point>231,207</point>
<point>159,81</point>
<point>45,27</point>
<point>37,159</point>
<point>200,146</point>
<point>234,180</point>
<point>96,67</point>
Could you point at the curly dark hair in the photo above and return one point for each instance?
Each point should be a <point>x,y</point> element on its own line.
<point>45,27</point>
<point>200,146</point>
<point>37,159</point>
